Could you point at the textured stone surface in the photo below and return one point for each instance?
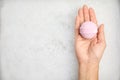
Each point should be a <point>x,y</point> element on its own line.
<point>37,39</point>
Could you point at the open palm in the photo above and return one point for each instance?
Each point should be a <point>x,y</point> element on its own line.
<point>88,50</point>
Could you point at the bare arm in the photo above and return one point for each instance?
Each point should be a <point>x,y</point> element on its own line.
<point>89,51</point>
<point>88,71</point>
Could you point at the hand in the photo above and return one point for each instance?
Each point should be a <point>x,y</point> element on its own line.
<point>89,50</point>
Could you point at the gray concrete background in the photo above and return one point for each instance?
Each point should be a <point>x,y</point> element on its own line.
<point>37,39</point>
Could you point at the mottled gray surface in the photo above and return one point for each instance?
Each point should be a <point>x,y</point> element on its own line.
<point>37,39</point>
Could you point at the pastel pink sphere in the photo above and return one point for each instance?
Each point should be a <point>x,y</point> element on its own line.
<point>88,30</point>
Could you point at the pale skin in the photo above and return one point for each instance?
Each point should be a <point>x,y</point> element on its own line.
<point>88,51</point>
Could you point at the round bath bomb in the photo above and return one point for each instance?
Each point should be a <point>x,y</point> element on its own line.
<point>88,30</point>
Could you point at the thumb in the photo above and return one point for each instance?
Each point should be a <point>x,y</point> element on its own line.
<point>101,35</point>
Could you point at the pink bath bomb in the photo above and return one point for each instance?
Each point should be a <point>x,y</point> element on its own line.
<point>88,30</point>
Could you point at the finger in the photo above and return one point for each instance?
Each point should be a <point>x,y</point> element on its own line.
<point>101,35</point>
<point>92,15</point>
<point>77,24</point>
<point>81,17</point>
<point>86,13</point>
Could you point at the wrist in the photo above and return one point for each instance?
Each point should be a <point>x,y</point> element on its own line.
<point>88,71</point>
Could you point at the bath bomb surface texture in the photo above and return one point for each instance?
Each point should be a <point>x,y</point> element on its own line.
<point>88,30</point>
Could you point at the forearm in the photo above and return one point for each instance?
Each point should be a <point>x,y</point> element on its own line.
<point>88,71</point>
